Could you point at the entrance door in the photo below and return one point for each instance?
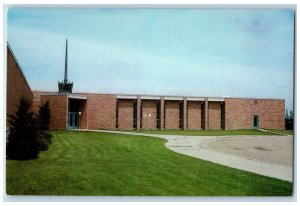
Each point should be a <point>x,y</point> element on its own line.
<point>255,122</point>
<point>73,120</point>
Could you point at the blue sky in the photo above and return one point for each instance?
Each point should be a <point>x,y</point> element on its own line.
<point>188,52</point>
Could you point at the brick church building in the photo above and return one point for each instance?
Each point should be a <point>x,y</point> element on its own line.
<point>133,112</point>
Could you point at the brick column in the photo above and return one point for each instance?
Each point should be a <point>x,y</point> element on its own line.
<point>206,127</point>
<point>162,113</point>
<point>225,113</point>
<point>184,113</point>
<point>83,117</point>
<point>138,112</point>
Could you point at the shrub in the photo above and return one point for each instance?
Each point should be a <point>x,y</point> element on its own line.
<point>29,132</point>
<point>44,117</point>
<point>289,120</point>
<point>22,141</point>
<point>44,139</point>
<point>43,122</point>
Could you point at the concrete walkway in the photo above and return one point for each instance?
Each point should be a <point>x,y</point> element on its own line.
<point>196,146</point>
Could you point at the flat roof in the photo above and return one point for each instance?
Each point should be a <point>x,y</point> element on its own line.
<point>150,97</point>
<point>173,98</point>
<point>215,99</point>
<point>195,98</point>
<point>157,96</point>
<point>126,97</point>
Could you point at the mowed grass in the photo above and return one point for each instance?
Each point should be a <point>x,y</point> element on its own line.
<point>89,163</point>
<point>206,132</point>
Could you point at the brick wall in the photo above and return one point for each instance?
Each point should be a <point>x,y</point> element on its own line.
<point>126,113</point>
<point>239,113</point>
<point>58,107</point>
<point>194,115</point>
<point>17,85</point>
<point>214,115</point>
<point>172,114</point>
<point>101,111</point>
<point>83,108</point>
<point>36,100</point>
<point>149,107</point>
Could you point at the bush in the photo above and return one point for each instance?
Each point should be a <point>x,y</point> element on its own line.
<point>22,141</point>
<point>44,140</point>
<point>29,132</point>
<point>43,122</point>
<point>289,120</point>
<point>44,117</point>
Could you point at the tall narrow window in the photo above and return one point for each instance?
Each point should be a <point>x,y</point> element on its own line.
<point>117,114</point>
<point>134,114</point>
<point>158,114</point>
<point>180,114</point>
<point>202,115</point>
<point>222,115</point>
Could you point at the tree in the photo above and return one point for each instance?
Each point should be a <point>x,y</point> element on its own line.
<point>44,117</point>
<point>43,122</point>
<point>22,141</point>
<point>289,120</point>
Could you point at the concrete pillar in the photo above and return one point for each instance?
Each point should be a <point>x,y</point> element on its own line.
<point>162,113</point>
<point>138,112</point>
<point>206,114</point>
<point>184,113</point>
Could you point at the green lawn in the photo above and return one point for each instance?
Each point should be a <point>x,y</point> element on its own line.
<point>89,163</point>
<point>205,132</point>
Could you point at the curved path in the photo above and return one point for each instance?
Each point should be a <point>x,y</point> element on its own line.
<point>261,160</point>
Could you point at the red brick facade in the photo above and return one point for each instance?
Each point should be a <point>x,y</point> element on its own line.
<point>101,111</point>
<point>58,109</point>
<point>239,113</point>
<point>171,114</point>
<point>214,115</point>
<point>16,85</point>
<point>125,119</point>
<point>194,115</point>
<point>149,107</point>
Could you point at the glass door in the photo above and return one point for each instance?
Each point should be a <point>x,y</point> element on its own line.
<point>73,120</point>
<point>255,122</point>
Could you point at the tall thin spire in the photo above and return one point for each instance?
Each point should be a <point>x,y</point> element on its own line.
<point>66,63</point>
<point>65,86</point>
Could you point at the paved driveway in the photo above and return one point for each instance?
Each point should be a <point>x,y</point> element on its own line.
<point>266,155</point>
